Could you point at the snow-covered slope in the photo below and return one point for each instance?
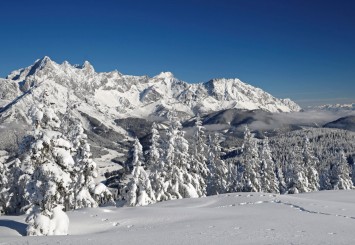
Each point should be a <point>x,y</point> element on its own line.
<point>346,123</point>
<point>117,95</point>
<point>325,217</point>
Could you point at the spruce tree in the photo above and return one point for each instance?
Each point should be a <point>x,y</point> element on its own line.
<point>139,191</point>
<point>85,192</point>
<point>268,178</point>
<point>156,166</point>
<point>248,178</point>
<point>17,183</point>
<point>51,164</point>
<point>84,170</point>
<point>198,165</point>
<point>311,163</point>
<point>340,173</point>
<point>4,183</point>
<point>153,162</point>
<point>296,178</point>
<point>218,182</point>
<point>180,182</point>
<point>279,172</point>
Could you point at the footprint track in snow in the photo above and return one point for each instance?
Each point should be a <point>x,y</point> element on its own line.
<point>244,203</point>
<point>302,209</point>
<point>115,223</point>
<point>294,206</point>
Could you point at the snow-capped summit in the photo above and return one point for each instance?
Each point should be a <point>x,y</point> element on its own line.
<point>117,95</point>
<point>237,94</point>
<point>164,75</point>
<point>66,64</point>
<point>44,60</point>
<point>41,63</point>
<point>87,66</point>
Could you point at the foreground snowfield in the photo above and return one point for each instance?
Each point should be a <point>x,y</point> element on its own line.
<point>326,217</point>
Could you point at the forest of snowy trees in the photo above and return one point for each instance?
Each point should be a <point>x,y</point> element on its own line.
<point>54,172</point>
<point>301,161</point>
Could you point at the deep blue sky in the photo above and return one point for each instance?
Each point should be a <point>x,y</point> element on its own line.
<point>302,49</point>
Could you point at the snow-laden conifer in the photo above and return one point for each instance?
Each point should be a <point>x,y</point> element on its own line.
<point>310,163</point>
<point>51,164</point>
<point>153,162</point>
<point>268,178</point>
<point>198,164</point>
<point>156,166</point>
<point>85,192</point>
<point>180,182</point>
<point>4,183</point>
<point>84,171</point>
<point>340,173</point>
<point>139,191</point>
<point>295,176</point>
<point>218,182</point>
<point>248,178</point>
<point>15,189</point>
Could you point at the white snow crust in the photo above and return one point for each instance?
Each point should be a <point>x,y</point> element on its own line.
<point>325,217</point>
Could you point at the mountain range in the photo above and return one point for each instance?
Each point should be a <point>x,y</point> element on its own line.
<point>120,96</point>
<point>334,107</point>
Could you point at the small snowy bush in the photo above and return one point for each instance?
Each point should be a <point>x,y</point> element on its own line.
<point>48,223</point>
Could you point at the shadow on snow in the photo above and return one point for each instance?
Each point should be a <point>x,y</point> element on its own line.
<point>14,225</point>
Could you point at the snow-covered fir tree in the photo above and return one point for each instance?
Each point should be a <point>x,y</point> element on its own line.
<point>198,164</point>
<point>85,192</point>
<point>153,161</point>
<point>295,176</point>
<point>279,173</point>
<point>4,183</point>
<point>16,186</point>
<point>218,181</point>
<point>156,166</point>
<point>84,169</point>
<point>269,182</point>
<point>311,163</point>
<point>340,173</point>
<point>248,178</point>
<point>180,182</point>
<point>138,190</point>
<point>51,164</point>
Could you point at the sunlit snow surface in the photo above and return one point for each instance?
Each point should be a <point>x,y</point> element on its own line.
<point>326,217</point>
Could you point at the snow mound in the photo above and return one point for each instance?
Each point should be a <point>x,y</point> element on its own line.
<point>59,221</point>
<point>56,223</point>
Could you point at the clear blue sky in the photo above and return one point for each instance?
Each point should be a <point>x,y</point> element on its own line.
<point>302,49</point>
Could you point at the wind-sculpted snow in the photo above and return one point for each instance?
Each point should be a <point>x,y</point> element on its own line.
<point>325,217</point>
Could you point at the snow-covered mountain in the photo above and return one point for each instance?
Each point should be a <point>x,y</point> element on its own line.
<point>118,96</point>
<point>335,107</point>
